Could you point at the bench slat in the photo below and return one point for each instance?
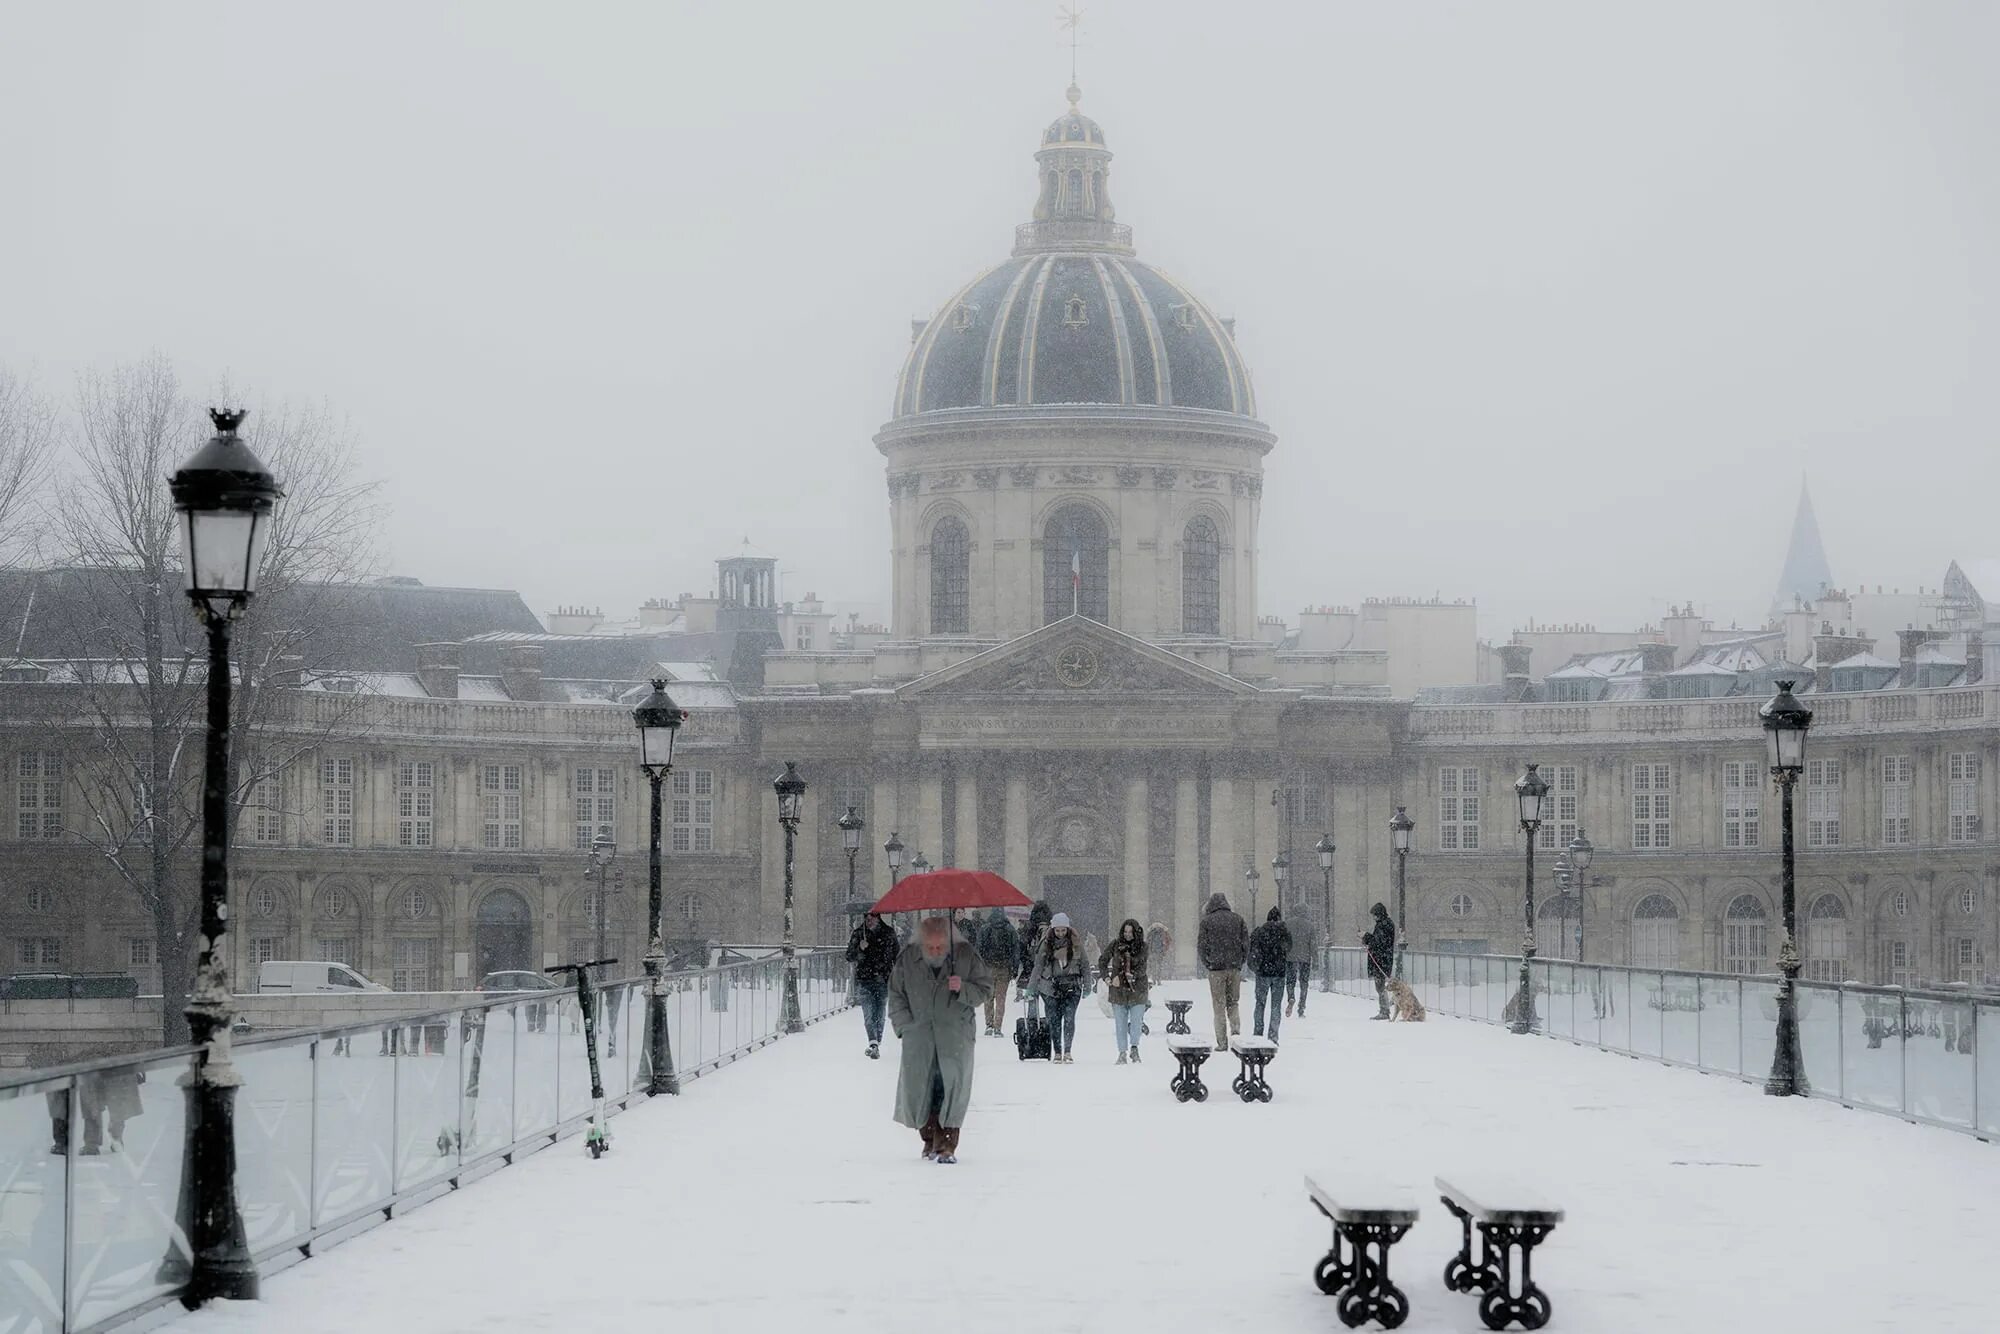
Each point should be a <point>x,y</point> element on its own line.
<point>1498,1200</point>
<point>1252,1043</point>
<point>1181,1042</point>
<point>1384,1203</point>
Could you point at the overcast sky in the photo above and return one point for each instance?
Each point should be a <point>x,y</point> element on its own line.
<point>1550,305</point>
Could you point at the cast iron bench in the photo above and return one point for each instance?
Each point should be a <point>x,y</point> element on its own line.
<point>1177,1013</point>
<point>1255,1053</point>
<point>1190,1052</point>
<point>1511,1220</point>
<point>1367,1220</point>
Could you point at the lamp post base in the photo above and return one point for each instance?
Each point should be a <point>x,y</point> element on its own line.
<point>219,1263</point>
<point>792,1021</point>
<point>659,1050</point>
<point>1524,1002</point>
<point>1788,1066</point>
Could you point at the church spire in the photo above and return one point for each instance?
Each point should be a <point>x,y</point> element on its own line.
<point>1806,577</point>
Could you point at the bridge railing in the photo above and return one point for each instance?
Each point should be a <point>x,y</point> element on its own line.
<point>336,1128</point>
<point>1930,1056</point>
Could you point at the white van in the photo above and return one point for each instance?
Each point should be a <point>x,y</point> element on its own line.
<point>311,975</point>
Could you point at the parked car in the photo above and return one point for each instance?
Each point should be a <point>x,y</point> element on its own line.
<point>518,981</point>
<point>311,975</point>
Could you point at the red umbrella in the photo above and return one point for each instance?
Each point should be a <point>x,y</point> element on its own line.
<point>948,887</point>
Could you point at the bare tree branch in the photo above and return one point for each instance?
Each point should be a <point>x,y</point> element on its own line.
<point>28,433</point>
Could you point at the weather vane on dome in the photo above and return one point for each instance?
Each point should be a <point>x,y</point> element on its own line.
<point>1070,18</point>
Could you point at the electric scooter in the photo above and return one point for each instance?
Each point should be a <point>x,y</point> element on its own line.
<point>597,1140</point>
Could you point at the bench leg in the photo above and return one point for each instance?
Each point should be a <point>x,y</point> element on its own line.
<point>1372,1295</point>
<point>1187,1084</point>
<point>1468,1271</point>
<point>1334,1274</point>
<point>1499,1307</point>
<point>1250,1084</point>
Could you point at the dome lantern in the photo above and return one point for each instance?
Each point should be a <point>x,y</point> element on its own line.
<point>1073,206</point>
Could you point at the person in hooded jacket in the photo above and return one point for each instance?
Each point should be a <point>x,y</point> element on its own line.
<point>1270,964</point>
<point>1000,947</point>
<point>1380,942</point>
<point>1122,965</point>
<point>872,949</point>
<point>1061,971</point>
<point>1305,951</point>
<point>1221,944</point>
<point>1039,917</point>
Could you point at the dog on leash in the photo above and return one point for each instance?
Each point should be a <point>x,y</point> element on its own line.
<point>1403,1002</point>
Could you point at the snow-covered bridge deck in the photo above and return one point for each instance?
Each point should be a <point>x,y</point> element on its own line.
<point>779,1195</point>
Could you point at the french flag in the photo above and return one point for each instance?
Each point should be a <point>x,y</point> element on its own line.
<point>1076,569</point>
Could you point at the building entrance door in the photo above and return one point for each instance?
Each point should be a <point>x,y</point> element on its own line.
<point>1086,898</point>
<point>503,935</point>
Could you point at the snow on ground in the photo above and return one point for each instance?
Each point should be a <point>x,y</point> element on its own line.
<point>777,1193</point>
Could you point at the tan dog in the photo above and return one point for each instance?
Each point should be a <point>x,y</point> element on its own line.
<point>1403,1002</point>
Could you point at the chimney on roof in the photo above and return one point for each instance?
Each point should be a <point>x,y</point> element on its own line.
<point>437,670</point>
<point>1975,657</point>
<point>1830,649</point>
<point>1655,661</point>
<point>1514,660</point>
<point>521,672</point>
<point>1907,644</point>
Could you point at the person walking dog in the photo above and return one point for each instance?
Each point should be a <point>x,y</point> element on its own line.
<point>1380,941</point>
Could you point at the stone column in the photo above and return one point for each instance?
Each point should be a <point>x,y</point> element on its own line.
<point>965,822</point>
<point>806,887</point>
<point>1016,862</point>
<point>1138,856</point>
<point>930,816</point>
<point>883,820</point>
<point>1183,915</point>
<point>1225,872</point>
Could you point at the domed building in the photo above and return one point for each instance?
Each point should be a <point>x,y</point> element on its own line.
<point>1075,432</point>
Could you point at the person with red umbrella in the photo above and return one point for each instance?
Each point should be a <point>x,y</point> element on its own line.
<point>938,984</point>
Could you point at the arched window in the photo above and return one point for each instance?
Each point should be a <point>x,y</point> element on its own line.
<point>1744,948</point>
<point>1826,939</point>
<point>1076,565</point>
<point>1656,933</point>
<point>1201,577</point>
<point>951,566</point>
<point>1968,900</point>
<point>1556,925</point>
<point>1899,903</point>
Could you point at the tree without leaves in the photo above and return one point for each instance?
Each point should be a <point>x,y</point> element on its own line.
<point>27,438</point>
<point>138,655</point>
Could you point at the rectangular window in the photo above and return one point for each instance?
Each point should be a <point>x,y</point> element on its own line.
<point>1897,962</point>
<point>139,952</point>
<point>263,949</point>
<point>336,802</point>
<point>415,964</point>
<point>416,803</point>
<point>1652,809</point>
<point>1965,959</point>
<point>39,795</point>
<point>1558,829</point>
<point>1742,797</point>
<point>1962,791</point>
<point>263,821</point>
<point>38,951</point>
<point>595,794</point>
<point>335,949</point>
<point>1897,773</point>
<point>1458,809</point>
<point>500,795</point>
<point>1823,803</point>
<point>694,810</point>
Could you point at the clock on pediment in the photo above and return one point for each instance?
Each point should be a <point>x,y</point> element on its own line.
<point>1076,665</point>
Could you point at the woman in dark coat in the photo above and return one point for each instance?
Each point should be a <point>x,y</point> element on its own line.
<point>1122,965</point>
<point>1062,970</point>
<point>1380,941</point>
<point>872,949</point>
<point>1039,918</point>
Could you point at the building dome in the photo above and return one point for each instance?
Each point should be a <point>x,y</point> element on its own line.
<point>1072,317</point>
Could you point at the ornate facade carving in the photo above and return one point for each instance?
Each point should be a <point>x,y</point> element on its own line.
<point>947,481</point>
<point>1022,474</point>
<point>1129,477</point>
<point>1163,478</point>
<point>1202,480</point>
<point>986,479</point>
<point>1075,476</point>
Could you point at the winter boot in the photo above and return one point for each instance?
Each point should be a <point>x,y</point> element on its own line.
<point>874,1051</point>
<point>1121,1058</point>
<point>1135,1055</point>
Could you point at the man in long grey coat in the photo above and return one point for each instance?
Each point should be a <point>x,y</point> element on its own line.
<point>937,987</point>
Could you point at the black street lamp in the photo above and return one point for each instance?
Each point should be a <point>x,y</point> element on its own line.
<point>791,790</point>
<point>920,865</point>
<point>1325,849</point>
<point>1281,874</point>
<point>1401,827</point>
<point>1531,792</point>
<point>603,851</point>
<point>893,850</point>
<point>1580,853</point>
<point>851,826</point>
<point>1250,878</point>
<point>659,721</point>
<point>225,497</point>
<point>1785,724</point>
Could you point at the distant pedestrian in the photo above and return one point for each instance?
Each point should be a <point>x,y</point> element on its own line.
<point>1380,941</point>
<point>1000,947</point>
<point>1304,953</point>
<point>872,949</point>
<point>1039,917</point>
<point>1160,952</point>
<point>1061,971</point>
<point>934,989</point>
<point>1122,965</point>
<point>1270,963</point>
<point>1222,944</point>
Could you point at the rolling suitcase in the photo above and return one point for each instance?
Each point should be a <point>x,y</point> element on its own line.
<point>1031,1038</point>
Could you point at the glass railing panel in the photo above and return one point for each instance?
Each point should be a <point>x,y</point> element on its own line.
<point>1759,1025</point>
<point>34,1172</point>
<point>428,1063</point>
<point>1559,1010</point>
<point>1986,1056</point>
<point>573,1080</point>
<point>537,1036</point>
<point>1721,1027</point>
<point>1643,1031</point>
<point>354,1112</point>
<point>274,1137</point>
<point>487,1042</point>
<point>1872,1049</point>
<point>1615,1025</point>
<point>1938,1075</point>
<point>127,1245</point>
<point>1820,1006</point>
<point>1588,1012</point>
<point>1681,1018</point>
